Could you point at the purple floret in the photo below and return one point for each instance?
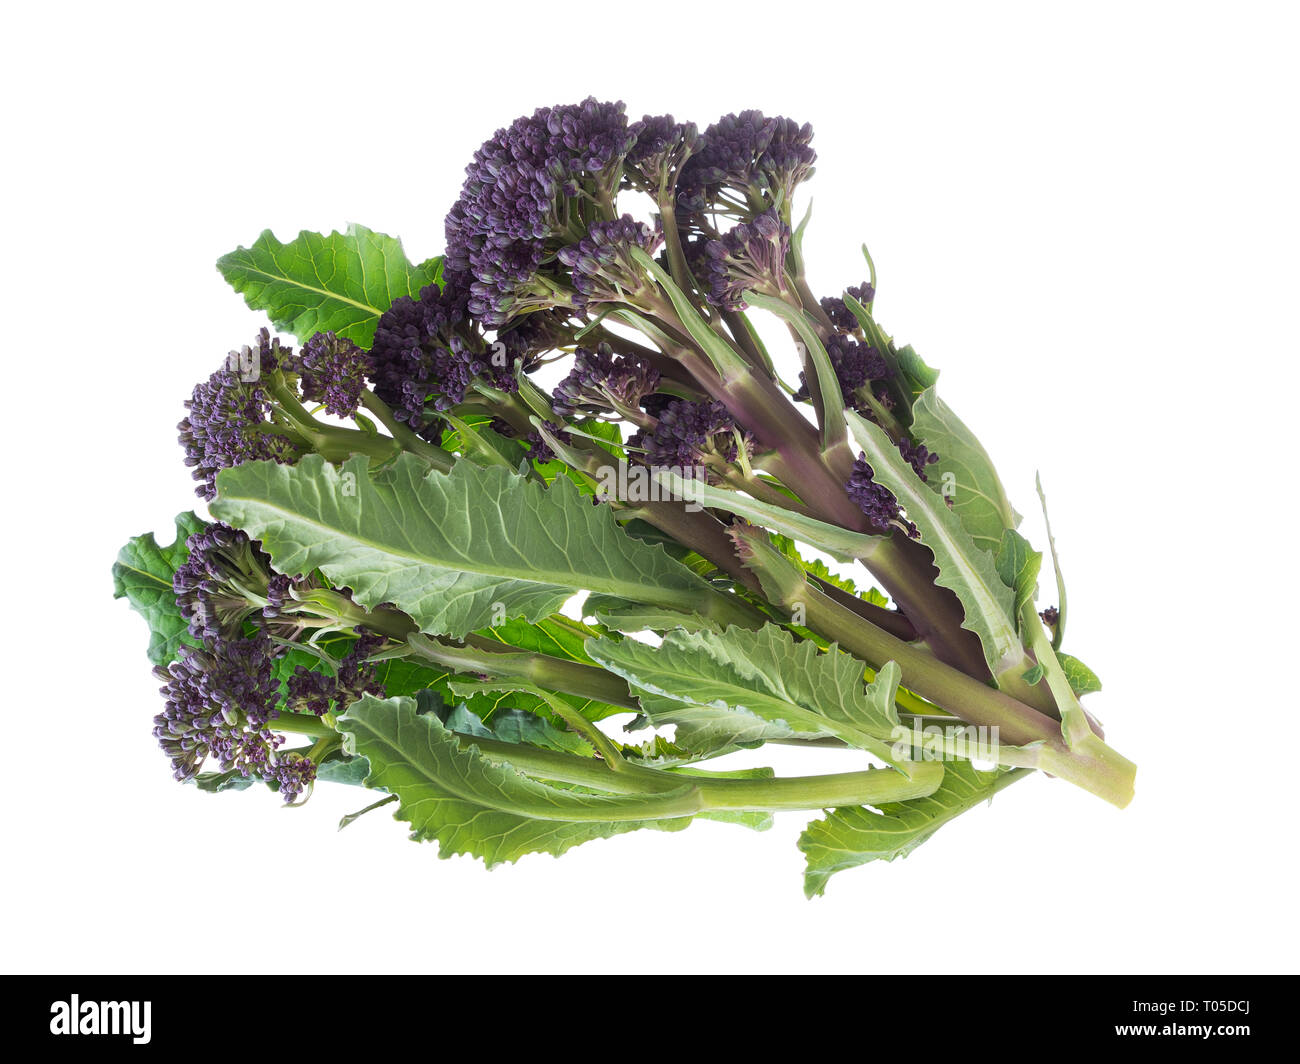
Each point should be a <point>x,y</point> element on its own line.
<point>513,201</point>
<point>426,354</point>
<point>751,255</point>
<point>316,692</point>
<point>838,311</point>
<point>225,580</point>
<point>601,381</point>
<point>228,420</point>
<point>661,150</point>
<point>687,433</point>
<point>875,500</point>
<point>918,455</point>
<point>855,365</point>
<point>220,700</point>
<point>538,449</point>
<point>333,371</point>
<point>749,153</point>
<point>602,265</point>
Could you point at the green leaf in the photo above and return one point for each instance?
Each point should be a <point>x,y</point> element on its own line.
<point>913,375</point>
<point>726,360</point>
<point>480,443</point>
<point>826,381</point>
<point>518,726</point>
<point>1018,565</point>
<point>964,473</point>
<point>624,616</point>
<point>558,636</point>
<point>487,809</point>
<point>456,550</point>
<point>401,676</point>
<point>217,782</point>
<point>963,567</point>
<point>821,571</point>
<point>854,836</point>
<point>349,770</point>
<point>742,686</point>
<point>1082,679</point>
<point>842,544</point>
<point>143,573</point>
<point>339,283</point>
<point>914,370</point>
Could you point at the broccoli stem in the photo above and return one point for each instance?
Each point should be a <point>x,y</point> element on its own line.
<point>870,787</point>
<point>438,458</point>
<point>481,656</point>
<point>754,401</point>
<point>303,724</point>
<point>1087,762</point>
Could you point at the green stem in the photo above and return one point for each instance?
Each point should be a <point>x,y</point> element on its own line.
<point>681,272</point>
<point>926,675</point>
<point>333,442</point>
<point>334,605</point>
<point>580,724</point>
<point>1058,630</point>
<point>1074,721</point>
<point>870,787</point>
<point>809,303</point>
<point>353,817</point>
<point>438,458</point>
<point>480,656</point>
<point>302,724</point>
<point>747,338</point>
<point>1085,761</point>
<point>871,266</point>
<point>763,491</point>
<point>907,574</point>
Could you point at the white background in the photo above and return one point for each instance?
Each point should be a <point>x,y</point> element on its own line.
<point>1084,214</point>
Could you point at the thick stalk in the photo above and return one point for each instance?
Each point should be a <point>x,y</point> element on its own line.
<point>1090,764</point>
<point>544,670</point>
<point>906,571</point>
<point>902,565</point>
<point>893,622</point>
<point>758,404</point>
<point>334,442</point>
<point>870,787</point>
<point>302,724</point>
<point>970,699</point>
<point>438,458</point>
<point>809,302</point>
<point>666,201</point>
